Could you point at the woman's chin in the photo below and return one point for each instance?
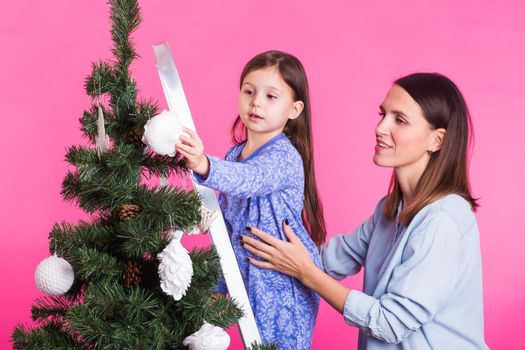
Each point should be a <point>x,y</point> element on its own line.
<point>381,162</point>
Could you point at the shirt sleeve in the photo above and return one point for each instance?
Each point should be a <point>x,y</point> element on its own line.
<point>268,172</point>
<point>344,255</point>
<point>419,288</point>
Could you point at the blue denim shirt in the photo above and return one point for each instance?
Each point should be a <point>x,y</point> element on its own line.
<point>261,191</point>
<point>422,283</point>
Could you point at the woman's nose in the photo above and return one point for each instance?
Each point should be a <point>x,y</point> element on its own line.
<point>382,127</point>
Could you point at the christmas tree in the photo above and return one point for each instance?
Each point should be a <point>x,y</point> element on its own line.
<point>116,300</point>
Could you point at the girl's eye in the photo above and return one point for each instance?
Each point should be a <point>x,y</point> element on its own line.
<point>271,97</point>
<point>248,92</point>
<point>382,114</point>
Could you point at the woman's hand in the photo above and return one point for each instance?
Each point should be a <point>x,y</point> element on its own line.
<point>192,149</point>
<point>291,258</point>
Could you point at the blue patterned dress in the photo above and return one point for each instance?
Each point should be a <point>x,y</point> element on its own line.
<point>261,191</point>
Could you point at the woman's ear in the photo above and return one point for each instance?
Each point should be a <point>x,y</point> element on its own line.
<point>438,138</point>
<point>296,110</point>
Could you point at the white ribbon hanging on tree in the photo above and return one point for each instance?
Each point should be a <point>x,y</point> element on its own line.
<point>102,139</point>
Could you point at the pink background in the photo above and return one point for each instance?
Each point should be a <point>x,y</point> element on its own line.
<point>352,52</point>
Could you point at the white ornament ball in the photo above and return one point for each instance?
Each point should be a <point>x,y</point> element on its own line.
<point>54,276</point>
<point>162,133</point>
<point>175,269</point>
<point>208,337</point>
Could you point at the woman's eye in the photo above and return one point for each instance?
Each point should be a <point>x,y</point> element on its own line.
<point>400,120</point>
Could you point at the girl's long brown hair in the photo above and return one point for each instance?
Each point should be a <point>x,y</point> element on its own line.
<point>297,130</point>
<point>444,107</point>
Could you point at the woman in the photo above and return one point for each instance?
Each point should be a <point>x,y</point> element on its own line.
<point>420,248</point>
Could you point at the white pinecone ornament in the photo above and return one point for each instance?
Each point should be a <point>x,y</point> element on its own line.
<point>208,337</point>
<point>54,276</point>
<point>175,268</point>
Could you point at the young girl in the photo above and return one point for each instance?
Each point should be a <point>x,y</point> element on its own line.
<point>265,179</point>
<point>420,248</point>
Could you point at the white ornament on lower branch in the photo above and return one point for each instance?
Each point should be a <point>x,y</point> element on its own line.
<point>54,276</point>
<point>207,218</point>
<point>175,268</point>
<point>208,337</point>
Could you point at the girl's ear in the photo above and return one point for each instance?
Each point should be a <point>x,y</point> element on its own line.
<point>438,138</point>
<point>296,110</point>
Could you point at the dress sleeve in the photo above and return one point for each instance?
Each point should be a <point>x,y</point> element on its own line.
<point>268,172</point>
<point>420,286</point>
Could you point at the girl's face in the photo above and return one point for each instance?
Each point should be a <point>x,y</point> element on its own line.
<point>403,135</point>
<point>267,102</point>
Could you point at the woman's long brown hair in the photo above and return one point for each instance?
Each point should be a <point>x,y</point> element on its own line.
<point>297,130</point>
<point>444,107</point>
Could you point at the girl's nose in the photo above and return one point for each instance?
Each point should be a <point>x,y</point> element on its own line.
<point>256,101</point>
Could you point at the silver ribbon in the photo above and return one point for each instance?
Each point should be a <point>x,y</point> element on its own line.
<point>177,102</point>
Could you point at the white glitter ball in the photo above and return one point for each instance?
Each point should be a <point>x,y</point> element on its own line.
<point>54,276</point>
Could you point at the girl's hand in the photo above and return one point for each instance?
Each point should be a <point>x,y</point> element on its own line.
<point>192,149</point>
<point>291,258</point>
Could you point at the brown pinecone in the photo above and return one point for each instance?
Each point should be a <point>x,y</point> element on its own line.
<point>129,211</point>
<point>135,136</point>
<point>132,273</point>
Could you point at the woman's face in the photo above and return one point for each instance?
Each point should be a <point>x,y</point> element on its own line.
<point>403,135</point>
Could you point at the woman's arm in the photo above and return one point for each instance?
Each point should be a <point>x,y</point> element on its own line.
<point>419,287</point>
<point>343,255</point>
